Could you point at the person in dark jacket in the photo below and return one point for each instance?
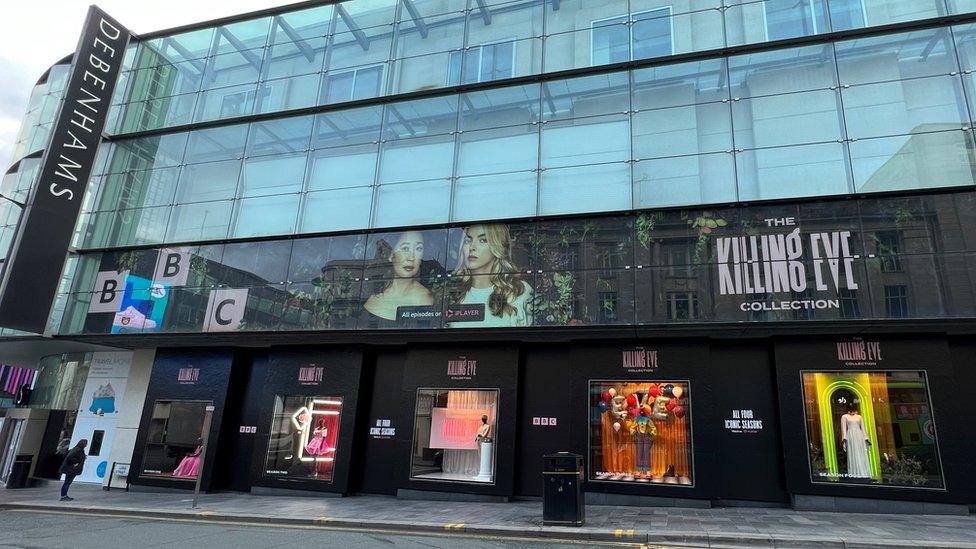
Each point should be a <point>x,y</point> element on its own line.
<point>73,465</point>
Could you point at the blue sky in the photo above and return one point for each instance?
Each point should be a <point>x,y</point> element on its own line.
<point>36,33</point>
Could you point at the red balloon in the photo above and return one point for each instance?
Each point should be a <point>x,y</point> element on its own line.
<point>654,391</point>
<point>671,405</point>
<point>606,397</point>
<point>631,400</point>
<point>679,411</point>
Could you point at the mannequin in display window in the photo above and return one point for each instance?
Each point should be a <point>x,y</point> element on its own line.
<point>483,438</point>
<point>189,466</point>
<point>854,439</point>
<point>299,423</point>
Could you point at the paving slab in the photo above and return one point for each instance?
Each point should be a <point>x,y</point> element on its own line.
<point>717,527</point>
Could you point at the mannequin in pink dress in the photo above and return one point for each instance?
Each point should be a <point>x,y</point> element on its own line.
<point>189,466</point>
<point>317,446</point>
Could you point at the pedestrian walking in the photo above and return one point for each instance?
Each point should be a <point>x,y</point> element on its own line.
<point>72,466</point>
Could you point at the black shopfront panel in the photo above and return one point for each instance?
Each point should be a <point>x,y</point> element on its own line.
<point>544,413</point>
<point>874,416</point>
<point>445,393</point>
<point>181,386</point>
<point>385,423</point>
<point>642,413</point>
<point>748,441</point>
<point>306,429</point>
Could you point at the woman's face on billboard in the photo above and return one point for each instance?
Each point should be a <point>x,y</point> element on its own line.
<point>407,254</point>
<point>475,252</point>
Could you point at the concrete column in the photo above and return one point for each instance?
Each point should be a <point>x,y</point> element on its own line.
<point>130,413</point>
<point>33,434</point>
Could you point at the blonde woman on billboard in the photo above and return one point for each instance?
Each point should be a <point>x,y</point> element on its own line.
<point>487,276</point>
<point>403,289</point>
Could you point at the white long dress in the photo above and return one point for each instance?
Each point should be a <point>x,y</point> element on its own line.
<point>853,432</point>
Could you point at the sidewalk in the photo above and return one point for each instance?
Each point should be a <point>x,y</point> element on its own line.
<point>728,527</point>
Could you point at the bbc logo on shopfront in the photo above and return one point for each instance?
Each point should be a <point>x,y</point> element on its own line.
<point>544,421</point>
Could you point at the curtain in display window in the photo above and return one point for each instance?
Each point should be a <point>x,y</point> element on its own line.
<point>466,462</point>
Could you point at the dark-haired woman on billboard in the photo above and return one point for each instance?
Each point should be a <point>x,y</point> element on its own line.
<point>403,289</point>
<point>488,276</point>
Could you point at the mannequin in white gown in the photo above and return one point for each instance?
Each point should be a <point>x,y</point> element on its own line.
<point>856,443</point>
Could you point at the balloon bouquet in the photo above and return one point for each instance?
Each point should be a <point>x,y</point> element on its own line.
<point>637,414</point>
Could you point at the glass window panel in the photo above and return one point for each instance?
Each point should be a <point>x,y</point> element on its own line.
<point>429,34</point>
<point>909,106</point>
<point>145,188</point>
<point>407,254</point>
<point>347,127</point>
<point>921,161</point>
<point>495,61</point>
<point>158,113</point>
<point>493,196</point>
<point>586,141</point>
<point>895,56</point>
<point>413,203</point>
<point>367,47</point>
<point>127,227</point>
<point>965,40</point>
<point>364,15</point>
<point>304,438</point>
<point>221,143</point>
<point>287,94</point>
<point>147,152</point>
<point>337,210</point>
<point>961,6</point>
<point>229,102</point>
<point>353,84</point>
<point>173,49</point>
<point>301,25</point>
<point>682,130</point>
<point>166,80</point>
<point>231,69</point>
<point>501,20</point>
<point>782,71</point>
<point>200,221</point>
<point>422,117</point>
<point>680,84</point>
<point>686,180</point>
<point>508,106</point>
<point>847,14</point>
<point>417,159</point>
<point>267,216</point>
<point>210,181</point>
<point>451,429</point>
<point>498,150</point>
<point>256,263</point>
<point>295,58</point>
<point>805,117</point>
<point>792,171</point>
<point>424,72</point>
<point>340,167</point>
<point>603,187</point>
<point>579,244</point>
<point>243,35</point>
<point>173,442</point>
<point>424,9</point>
<point>276,174</point>
<point>586,96</point>
<point>281,135</point>
<point>569,15</point>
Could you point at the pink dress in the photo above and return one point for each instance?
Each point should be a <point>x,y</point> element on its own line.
<point>317,446</point>
<point>189,466</point>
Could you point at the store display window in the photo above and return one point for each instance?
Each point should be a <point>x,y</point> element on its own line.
<point>454,435</point>
<point>175,439</point>
<point>640,431</point>
<point>304,437</point>
<point>873,428</point>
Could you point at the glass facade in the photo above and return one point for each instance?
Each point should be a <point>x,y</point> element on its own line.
<point>895,257</point>
<point>874,114</point>
<point>351,51</point>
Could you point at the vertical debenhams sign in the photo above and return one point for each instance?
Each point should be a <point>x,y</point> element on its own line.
<point>33,268</point>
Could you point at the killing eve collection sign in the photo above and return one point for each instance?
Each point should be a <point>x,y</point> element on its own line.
<point>33,268</point>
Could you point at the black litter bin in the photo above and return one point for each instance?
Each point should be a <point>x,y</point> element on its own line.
<point>20,471</point>
<point>562,493</point>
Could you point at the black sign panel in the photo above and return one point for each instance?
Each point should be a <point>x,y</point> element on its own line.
<point>33,267</point>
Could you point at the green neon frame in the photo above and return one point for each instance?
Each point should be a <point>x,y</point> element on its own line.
<point>827,423</point>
